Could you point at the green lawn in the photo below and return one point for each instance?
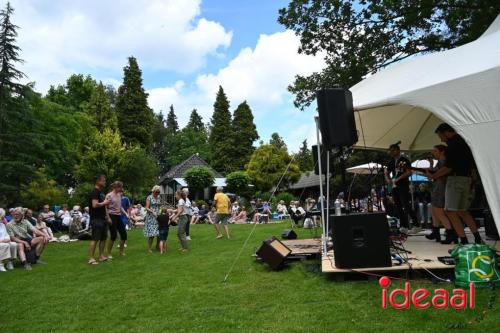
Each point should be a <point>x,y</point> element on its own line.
<point>184,293</point>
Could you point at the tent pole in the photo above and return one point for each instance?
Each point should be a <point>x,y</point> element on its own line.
<point>327,193</point>
<point>322,205</point>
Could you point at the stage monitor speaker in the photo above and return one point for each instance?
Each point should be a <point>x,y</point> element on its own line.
<point>273,252</point>
<point>336,118</point>
<point>314,149</point>
<point>361,240</point>
<point>288,234</point>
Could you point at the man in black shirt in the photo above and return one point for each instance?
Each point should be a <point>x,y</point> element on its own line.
<point>99,219</point>
<point>458,167</point>
<point>396,176</point>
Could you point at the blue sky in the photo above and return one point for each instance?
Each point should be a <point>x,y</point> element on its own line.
<point>186,49</point>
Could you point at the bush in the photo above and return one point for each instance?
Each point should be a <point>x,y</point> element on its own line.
<point>264,196</point>
<point>200,203</point>
<point>238,182</point>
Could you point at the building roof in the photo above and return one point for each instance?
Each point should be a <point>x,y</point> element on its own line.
<point>307,179</point>
<point>217,182</point>
<point>179,170</point>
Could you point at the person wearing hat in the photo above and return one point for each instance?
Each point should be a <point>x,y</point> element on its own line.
<point>396,175</point>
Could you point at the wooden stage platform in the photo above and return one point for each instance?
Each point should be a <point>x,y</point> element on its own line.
<point>303,247</point>
<point>424,256</point>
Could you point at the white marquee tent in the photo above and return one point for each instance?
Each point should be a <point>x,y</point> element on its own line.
<point>461,86</point>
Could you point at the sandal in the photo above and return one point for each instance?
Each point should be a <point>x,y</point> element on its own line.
<point>104,259</point>
<point>93,262</point>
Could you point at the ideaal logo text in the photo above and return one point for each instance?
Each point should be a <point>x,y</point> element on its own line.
<point>422,298</point>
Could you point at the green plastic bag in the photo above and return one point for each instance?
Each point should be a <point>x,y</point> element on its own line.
<point>475,263</point>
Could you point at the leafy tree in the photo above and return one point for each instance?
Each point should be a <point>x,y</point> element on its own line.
<point>99,110</point>
<point>172,124</point>
<point>62,132</point>
<point>18,144</point>
<point>196,122</point>
<point>304,158</point>
<point>277,141</point>
<point>41,190</point>
<point>138,170</point>
<point>244,135</point>
<point>107,154</point>
<point>269,164</point>
<point>76,93</point>
<point>238,182</point>
<point>135,118</point>
<point>199,178</point>
<point>219,139</point>
<point>361,37</point>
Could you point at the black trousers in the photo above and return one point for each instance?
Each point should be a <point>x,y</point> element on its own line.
<point>117,226</point>
<point>188,224</point>
<point>401,196</point>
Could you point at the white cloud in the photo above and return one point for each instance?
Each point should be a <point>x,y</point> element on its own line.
<point>260,76</point>
<point>60,37</point>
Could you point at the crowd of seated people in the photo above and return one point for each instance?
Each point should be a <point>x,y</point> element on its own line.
<point>20,239</point>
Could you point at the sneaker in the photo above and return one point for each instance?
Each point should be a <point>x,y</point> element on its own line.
<point>2,268</point>
<point>219,237</point>
<point>414,230</point>
<point>10,265</point>
<point>27,266</point>
<point>188,237</point>
<point>403,230</point>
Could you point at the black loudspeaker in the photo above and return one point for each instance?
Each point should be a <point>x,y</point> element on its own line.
<point>361,240</point>
<point>314,149</point>
<point>336,118</point>
<point>273,252</point>
<point>490,228</point>
<point>288,234</point>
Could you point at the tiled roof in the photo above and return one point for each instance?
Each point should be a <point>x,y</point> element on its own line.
<point>179,170</point>
<point>307,179</point>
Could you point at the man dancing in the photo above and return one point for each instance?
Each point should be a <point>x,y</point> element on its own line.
<point>459,167</point>
<point>398,169</point>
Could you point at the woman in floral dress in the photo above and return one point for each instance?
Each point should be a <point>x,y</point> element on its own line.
<point>153,204</point>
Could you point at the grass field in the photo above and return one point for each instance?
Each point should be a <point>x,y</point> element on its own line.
<point>179,292</point>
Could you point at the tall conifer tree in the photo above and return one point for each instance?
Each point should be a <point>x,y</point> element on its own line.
<point>135,118</point>
<point>244,135</point>
<point>172,124</point>
<point>219,139</point>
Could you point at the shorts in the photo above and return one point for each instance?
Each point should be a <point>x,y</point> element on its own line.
<point>222,218</point>
<point>457,194</point>
<point>116,227</point>
<point>438,194</point>
<point>99,229</point>
<point>163,234</point>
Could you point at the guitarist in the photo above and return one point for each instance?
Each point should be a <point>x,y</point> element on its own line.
<point>398,169</point>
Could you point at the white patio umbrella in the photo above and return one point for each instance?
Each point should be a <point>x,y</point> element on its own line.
<point>424,164</point>
<point>366,169</point>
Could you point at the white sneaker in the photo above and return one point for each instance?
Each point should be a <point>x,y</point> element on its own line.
<point>2,268</point>
<point>188,237</point>
<point>403,230</point>
<point>10,265</point>
<point>414,230</point>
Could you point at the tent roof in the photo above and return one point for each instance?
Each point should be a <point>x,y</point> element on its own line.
<point>406,102</point>
<point>428,89</point>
